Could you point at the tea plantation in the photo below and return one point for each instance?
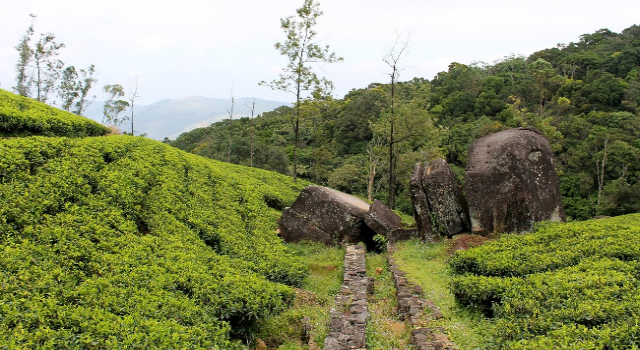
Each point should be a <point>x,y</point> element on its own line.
<point>123,242</point>
<point>22,116</point>
<point>567,286</point>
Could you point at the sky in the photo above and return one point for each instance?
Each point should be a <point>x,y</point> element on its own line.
<point>219,48</point>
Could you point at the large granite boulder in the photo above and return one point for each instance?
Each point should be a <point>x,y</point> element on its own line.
<point>439,206</point>
<point>326,215</point>
<point>511,183</point>
<point>382,219</point>
<point>421,211</point>
<point>445,198</point>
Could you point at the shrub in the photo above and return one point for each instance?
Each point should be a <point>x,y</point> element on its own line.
<point>566,286</point>
<point>124,242</point>
<point>22,116</point>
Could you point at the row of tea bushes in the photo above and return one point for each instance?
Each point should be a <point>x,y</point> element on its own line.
<point>122,242</point>
<point>566,286</point>
<point>21,116</point>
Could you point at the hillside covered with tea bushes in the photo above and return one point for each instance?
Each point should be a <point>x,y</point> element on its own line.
<point>566,286</point>
<point>122,242</point>
<point>22,116</point>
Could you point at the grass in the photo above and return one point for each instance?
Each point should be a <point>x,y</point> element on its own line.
<point>384,330</point>
<point>313,300</point>
<point>426,266</point>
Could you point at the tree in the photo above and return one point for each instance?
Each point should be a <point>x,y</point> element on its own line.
<point>297,77</point>
<point>68,89</point>
<point>230,112</point>
<point>85,83</point>
<point>251,131</point>
<point>37,66</point>
<point>375,152</point>
<point>133,95</point>
<point>544,81</point>
<point>23,77</point>
<point>394,55</point>
<point>74,88</point>
<point>113,105</point>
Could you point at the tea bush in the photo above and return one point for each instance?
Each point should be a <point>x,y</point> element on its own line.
<point>22,116</point>
<point>122,242</point>
<point>566,286</point>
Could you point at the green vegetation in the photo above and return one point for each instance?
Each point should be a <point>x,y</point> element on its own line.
<point>303,51</point>
<point>426,266</point>
<point>123,242</point>
<point>22,116</point>
<point>566,286</point>
<point>313,300</point>
<point>583,96</point>
<point>384,330</point>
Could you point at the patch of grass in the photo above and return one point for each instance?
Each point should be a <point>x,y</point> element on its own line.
<point>426,266</point>
<point>313,300</point>
<point>384,331</point>
<point>408,221</point>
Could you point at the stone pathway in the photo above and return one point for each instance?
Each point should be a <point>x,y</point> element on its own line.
<point>350,315</point>
<point>417,311</point>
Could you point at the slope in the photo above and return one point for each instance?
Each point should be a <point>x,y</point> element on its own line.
<point>124,242</point>
<point>22,116</point>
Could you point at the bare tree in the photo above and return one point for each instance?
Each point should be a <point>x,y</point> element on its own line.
<point>251,130</point>
<point>600,164</point>
<point>393,56</point>
<point>230,112</point>
<point>133,95</point>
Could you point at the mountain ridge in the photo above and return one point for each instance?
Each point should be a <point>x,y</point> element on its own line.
<point>171,117</point>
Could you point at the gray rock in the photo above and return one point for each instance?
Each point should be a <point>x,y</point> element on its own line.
<point>439,206</point>
<point>421,211</point>
<point>382,219</point>
<point>511,183</point>
<point>446,203</point>
<point>325,215</point>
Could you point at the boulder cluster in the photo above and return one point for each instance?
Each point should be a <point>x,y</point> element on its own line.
<point>322,214</point>
<point>510,185</point>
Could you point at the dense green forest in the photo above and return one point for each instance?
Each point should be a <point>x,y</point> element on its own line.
<point>584,96</point>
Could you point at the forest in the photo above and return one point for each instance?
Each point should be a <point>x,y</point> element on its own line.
<point>583,96</point>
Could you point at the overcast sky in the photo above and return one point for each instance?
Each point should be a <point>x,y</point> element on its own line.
<point>203,47</point>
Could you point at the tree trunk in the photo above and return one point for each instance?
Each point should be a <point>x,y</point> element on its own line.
<point>372,176</point>
<point>233,102</point>
<point>392,172</point>
<point>38,81</point>
<point>296,132</point>
<point>600,167</point>
<point>392,161</point>
<point>251,132</point>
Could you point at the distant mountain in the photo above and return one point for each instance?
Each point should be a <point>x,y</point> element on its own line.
<point>171,117</point>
